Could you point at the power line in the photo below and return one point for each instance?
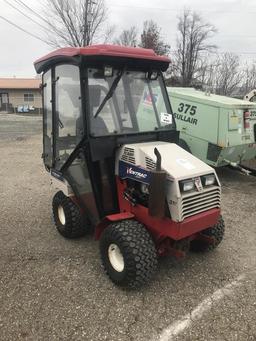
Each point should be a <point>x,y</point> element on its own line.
<point>20,2</point>
<point>22,29</point>
<point>224,52</point>
<point>24,14</point>
<point>176,10</point>
<point>150,8</point>
<point>48,22</point>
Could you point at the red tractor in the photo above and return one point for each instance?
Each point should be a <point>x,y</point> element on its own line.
<point>110,142</point>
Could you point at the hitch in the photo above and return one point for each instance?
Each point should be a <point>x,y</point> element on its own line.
<point>238,167</point>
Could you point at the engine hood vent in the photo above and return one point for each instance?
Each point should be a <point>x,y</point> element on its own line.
<point>128,155</point>
<point>150,164</point>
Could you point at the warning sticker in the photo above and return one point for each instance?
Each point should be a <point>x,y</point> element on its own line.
<point>166,118</point>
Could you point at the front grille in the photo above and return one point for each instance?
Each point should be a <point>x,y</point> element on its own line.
<point>194,203</point>
<point>128,155</point>
<point>150,164</point>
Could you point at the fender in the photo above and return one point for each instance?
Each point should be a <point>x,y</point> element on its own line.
<point>111,219</point>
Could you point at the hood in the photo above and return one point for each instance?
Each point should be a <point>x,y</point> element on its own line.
<point>177,162</point>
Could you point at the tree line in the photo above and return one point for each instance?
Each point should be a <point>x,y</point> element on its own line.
<point>195,60</point>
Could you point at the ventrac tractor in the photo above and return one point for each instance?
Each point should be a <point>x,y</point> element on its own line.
<point>111,145</point>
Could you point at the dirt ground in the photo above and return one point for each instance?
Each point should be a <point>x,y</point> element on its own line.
<point>55,289</point>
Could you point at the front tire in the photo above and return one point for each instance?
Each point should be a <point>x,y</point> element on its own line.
<point>216,232</point>
<point>67,216</point>
<point>128,253</point>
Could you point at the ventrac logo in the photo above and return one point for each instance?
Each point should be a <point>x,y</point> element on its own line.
<point>130,171</point>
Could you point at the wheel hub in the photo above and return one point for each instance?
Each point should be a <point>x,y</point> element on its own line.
<point>61,215</point>
<point>115,257</point>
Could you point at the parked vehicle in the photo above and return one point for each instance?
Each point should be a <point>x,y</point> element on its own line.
<point>25,108</point>
<point>219,130</point>
<point>120,174</point>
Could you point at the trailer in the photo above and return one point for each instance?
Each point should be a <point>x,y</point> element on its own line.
<point>219,130</point>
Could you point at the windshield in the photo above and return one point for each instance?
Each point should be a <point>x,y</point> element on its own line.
<point>127,102</point>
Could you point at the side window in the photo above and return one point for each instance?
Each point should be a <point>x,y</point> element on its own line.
<point>146,115</point>
<point>68,99</point>
<point>47,118</point>
<point>69,124</point>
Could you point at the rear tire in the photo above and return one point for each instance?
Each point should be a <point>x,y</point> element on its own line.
<point>128,253</point>
<point>68,219</point>
<point>217,232</point>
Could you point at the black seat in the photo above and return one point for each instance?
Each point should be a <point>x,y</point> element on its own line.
<point>98,126</point>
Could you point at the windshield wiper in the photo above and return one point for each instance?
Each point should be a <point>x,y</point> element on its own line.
<point>110,92</point>
<point>61,125</point>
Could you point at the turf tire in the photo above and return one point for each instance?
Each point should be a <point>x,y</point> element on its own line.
<point>217,232</point>
<point>75,225</point>
<point>138,251</point>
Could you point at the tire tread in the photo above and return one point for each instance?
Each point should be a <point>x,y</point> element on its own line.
<point>75,223</point>
<point>217,232</point>
<point>138,250</point>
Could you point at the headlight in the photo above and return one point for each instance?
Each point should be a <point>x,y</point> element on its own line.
<point>187,185</point>
<point>208,180</point>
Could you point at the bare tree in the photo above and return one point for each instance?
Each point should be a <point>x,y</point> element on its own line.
<point>249,77</point>
<point>73,23</point>
<point>108,34</point>
<point>206,72</point>
<point>227,74</point>
<point>151,38</point>
<point>192,45</point>
<point>128,37</point>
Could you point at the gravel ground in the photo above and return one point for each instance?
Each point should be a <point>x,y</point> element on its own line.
<point>55,289</point>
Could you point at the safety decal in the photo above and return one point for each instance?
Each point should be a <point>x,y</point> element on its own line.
<point>166,118</point>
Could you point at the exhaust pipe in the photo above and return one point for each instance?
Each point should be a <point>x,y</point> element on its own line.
<point>157,189</point>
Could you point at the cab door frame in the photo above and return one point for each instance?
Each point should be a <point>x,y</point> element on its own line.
<point>47,118</point>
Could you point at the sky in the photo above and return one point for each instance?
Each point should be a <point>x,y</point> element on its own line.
<point>234,20</point>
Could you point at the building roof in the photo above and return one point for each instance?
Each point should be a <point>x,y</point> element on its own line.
<point>106,51</point>
<point>19,83</point>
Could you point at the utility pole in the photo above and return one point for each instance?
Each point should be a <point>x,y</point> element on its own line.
<point>87,21</point>
<point>85,38</point>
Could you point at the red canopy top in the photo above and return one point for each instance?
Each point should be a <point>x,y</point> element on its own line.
<point>103,50</point>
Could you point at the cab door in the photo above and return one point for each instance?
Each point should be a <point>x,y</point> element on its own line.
<point>68,132</point>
